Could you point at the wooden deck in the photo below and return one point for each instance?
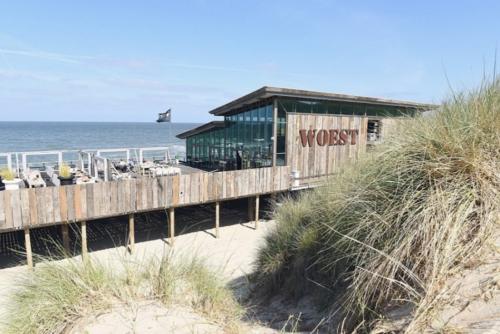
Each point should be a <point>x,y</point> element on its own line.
<point>31,208</point>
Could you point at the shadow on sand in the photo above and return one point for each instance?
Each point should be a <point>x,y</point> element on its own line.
<point>113,232</point>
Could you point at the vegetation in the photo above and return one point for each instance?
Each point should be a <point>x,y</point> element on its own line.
<point>7,174</point>
<point>57,294</point>
<point>391,228</point>
<point>65,171</point>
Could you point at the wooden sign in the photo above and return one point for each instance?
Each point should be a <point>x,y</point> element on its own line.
<point>329,137</point>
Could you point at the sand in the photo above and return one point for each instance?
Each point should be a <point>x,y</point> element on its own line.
<point>472,304</point>
<point>231,256</point>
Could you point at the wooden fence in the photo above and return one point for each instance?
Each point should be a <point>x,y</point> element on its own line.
<point>28,208</point>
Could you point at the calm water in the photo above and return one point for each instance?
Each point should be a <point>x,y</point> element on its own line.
<point>43,136</point>
<point>46,136</point>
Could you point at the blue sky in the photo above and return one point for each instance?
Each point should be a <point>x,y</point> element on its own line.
<point>128,60</point>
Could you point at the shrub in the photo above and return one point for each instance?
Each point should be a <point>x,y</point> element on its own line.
<point>391,227</point>
<point>65,171</point>
<point>7,174</point>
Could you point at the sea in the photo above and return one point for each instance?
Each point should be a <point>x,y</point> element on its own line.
<point>56,136</point>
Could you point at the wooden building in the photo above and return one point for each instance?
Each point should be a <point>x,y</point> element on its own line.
<point>312,132</point>
<point>271,140</point>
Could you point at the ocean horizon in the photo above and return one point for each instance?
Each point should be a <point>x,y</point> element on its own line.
<point>23,136</point>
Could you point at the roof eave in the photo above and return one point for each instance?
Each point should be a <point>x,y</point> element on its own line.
<point>267,92</point>
<point>200,129</point>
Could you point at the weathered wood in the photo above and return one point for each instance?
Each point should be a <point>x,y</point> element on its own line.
<point>257,202</point>
<point>65,237</point>
<point>171,221</point>
<point>2,210</point>
<point>84,239</point>
<point>56,204</point>
<point>33,208</point>
<point>321,159</point>
<point>76,203</point>
<point>17,219</point>
<point>77,200</point>
<point>217,219</point>
<point>131,232</point>
<point>90,200</point>
<point>25,208</point>
<point>27,247</point>
<point>175,190</point>
<point>250,209</point>
<point>70,201</point>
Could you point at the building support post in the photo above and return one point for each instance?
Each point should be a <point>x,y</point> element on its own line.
<point>131,233</point>
<point>84,240</point>
<point>171,220</point>
<point>275,130</point>
<point>65,237</point>
<point>257,202</point>
<point>27,246</point>
<point>250,209</point>
<point>217,219</point>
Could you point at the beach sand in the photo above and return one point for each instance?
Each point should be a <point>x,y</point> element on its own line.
<point>231,256</point>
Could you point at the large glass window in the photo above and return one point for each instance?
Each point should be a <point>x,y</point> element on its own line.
<point>248,138</point>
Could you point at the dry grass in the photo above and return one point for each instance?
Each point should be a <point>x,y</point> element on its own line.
<point>390,229</point>
<point>59,293</point>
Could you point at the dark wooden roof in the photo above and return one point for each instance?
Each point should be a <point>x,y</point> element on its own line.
<point>203,128</point>
<point>267,92</point>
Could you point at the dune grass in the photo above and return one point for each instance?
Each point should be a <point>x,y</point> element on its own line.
<point>59,293</point>
<point>389,229</point>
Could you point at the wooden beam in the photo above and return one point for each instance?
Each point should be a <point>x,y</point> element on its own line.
<point>84,240</point>
<point>171,220</point>
<point>217,219</point>
<point>65,237</point>
<point>27,246</point>
<point>257,202</point>
<point>131,233</point>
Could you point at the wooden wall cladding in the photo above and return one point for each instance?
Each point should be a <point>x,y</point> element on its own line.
<point>318,160</point>
<point>54,205</point>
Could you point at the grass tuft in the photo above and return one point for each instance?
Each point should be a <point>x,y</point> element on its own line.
<point>389,229</point>
<point>57,294</point>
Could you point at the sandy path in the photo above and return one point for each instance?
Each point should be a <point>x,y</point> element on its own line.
<point>231,255</point>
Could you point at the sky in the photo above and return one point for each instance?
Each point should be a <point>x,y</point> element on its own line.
<point>128,60</point>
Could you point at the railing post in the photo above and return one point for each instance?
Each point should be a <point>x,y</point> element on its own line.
<point>27,246</point>
<point>217,219</point>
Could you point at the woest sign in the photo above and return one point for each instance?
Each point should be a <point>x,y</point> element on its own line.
<point>331,137</point>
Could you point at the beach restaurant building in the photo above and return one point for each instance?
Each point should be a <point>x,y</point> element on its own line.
<point>310,131</point>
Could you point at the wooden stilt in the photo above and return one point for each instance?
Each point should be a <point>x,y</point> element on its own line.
<point>65,237</point>
<point>84,240</point>
<point>27,245</point>
<point>217,219</point>
<point>171,216</point>
<point>257,202</point>
<point>131,233</point>
<point>250,208</point>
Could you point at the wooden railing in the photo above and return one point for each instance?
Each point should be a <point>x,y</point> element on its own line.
<point>28,208</point>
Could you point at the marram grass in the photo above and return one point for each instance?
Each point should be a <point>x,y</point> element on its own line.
<point>57,294</point>
<point>392,227</point>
